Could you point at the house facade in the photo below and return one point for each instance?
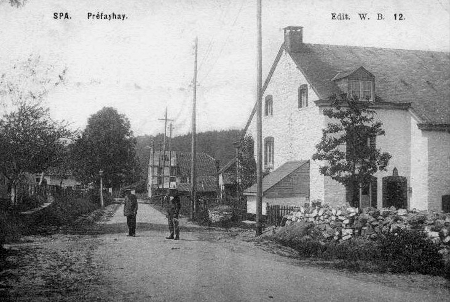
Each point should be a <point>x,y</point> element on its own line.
<point>173,171</point>
<point>408,89</point>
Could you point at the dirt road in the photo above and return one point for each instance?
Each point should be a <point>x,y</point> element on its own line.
<point>205,265</point>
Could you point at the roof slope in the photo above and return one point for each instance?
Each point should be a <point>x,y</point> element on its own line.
<point>206,165</point>
<point>401,76</point>
<point>277,175</point>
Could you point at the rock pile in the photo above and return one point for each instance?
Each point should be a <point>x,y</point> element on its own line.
<point>344,223</point>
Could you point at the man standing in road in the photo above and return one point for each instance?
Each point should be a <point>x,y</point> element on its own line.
<point>173,206</point>
<point>130,210</point>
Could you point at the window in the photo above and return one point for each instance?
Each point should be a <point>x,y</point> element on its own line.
<point>268,152</point>
<point>361,89</point>
<point>303,96</point>
<point>268,108</point>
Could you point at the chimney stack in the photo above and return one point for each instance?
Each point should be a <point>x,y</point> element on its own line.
<point>293,38</point>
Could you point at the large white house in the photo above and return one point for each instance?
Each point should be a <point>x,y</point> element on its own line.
<point>410,91</point>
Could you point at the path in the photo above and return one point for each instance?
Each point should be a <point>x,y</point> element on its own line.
<point>203,267</point>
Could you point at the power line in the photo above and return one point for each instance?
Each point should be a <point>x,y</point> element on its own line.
<point>226,41</point>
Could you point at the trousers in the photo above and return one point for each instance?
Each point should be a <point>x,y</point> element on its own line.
<point>174,227</point>
<point>131,222</point>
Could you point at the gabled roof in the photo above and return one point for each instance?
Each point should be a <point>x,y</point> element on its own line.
<point>401,76</point>
<point>227,166</point>
<point>206,165</point>
<point>277,175</point>
<point>204,184</point>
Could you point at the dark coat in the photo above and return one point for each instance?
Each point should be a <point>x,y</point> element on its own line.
<point>131,205</point>
<point>173,205</point>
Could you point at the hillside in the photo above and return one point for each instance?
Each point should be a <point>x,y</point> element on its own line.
<point>218,144</point>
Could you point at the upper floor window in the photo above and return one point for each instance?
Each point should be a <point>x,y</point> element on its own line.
<point>361,90</point>
<point>268,108</point>
<point>268,152</point>
<point>303,96</point>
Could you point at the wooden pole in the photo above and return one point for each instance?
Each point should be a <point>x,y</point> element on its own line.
<point>259,191</point>
<point>194,207</point>
<point>170,151</point>
<point>164,148</point>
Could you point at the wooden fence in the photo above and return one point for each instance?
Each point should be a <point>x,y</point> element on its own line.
<point>275,213</point>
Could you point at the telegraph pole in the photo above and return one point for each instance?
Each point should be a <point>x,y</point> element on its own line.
<point>165,119</point>
<point>194,208</point>
<point>170,151</point>
<point>259,192</point>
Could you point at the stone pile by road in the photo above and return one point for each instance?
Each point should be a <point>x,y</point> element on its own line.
<point>343,223</point>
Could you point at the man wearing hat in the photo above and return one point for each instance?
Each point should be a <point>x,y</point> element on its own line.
<point>130,210</point>
<point>173,206</point>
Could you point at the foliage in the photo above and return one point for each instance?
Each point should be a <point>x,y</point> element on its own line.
<point>64,210</point>
<point>410,251</point>
<point>31,142</point>
<point>10,227</point>
<point>247,163</point>
<point>106,144</point>
<point>28,82</point>
<point>352,125</point>
<point>398,251</point>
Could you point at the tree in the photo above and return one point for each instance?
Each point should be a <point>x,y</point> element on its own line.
<point>247,163</point>
<point>347,148</point>
<point>31,142</point>
<point>106,144</point>
<point>28,82</point>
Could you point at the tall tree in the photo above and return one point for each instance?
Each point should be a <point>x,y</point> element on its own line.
<point>247,163</point>
<point>347,149</point>
<point>106,144</point>
<point>30,142</point>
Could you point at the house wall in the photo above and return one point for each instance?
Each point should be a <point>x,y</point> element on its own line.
<point>397,142</point>
<point>419,168</point>
<point>295,130</point>
<point>438,167</point>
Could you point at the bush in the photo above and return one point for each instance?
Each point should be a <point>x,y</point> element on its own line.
<point>410,251</point>
<point>10,228</point>
<point>64,210</point>
<point>355,249</point>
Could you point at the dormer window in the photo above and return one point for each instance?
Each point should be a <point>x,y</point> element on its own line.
<point>359,83</point>
<point>268,108</point>
<point>361,90</point>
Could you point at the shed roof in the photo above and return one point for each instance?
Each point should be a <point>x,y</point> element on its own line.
<point>277,175</point>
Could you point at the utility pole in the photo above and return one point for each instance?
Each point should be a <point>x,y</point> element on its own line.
<point>170,151</point>
<point>259,192</point>
<point>165,119</point>
<point>194,208</point>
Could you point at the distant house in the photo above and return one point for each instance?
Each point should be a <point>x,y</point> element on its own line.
<point>58,177</point>
<point>227,179</point>
<point>174,171</point>
<point>408,89</point>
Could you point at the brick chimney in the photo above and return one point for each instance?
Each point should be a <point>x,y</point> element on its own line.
<point>293,38</point>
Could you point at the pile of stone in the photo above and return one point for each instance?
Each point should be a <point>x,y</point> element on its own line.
<point>343,223</point>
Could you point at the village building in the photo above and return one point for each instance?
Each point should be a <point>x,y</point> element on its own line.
<point>408,89</point>
<point>173,171</point>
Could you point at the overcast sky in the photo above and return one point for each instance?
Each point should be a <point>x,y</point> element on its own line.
<point>144,64</point>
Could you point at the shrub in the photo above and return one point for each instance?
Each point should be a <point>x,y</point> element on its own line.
<point>64,210</point>
<point>410,251</point>
<point>10,228</point>
<point>355,249</point>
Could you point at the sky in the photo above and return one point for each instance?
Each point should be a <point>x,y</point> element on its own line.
<point>145,63</point>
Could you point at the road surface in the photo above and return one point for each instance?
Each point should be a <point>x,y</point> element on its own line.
<point>205,265</point>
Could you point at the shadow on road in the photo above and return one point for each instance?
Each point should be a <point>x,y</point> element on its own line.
<point>117,228</point>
